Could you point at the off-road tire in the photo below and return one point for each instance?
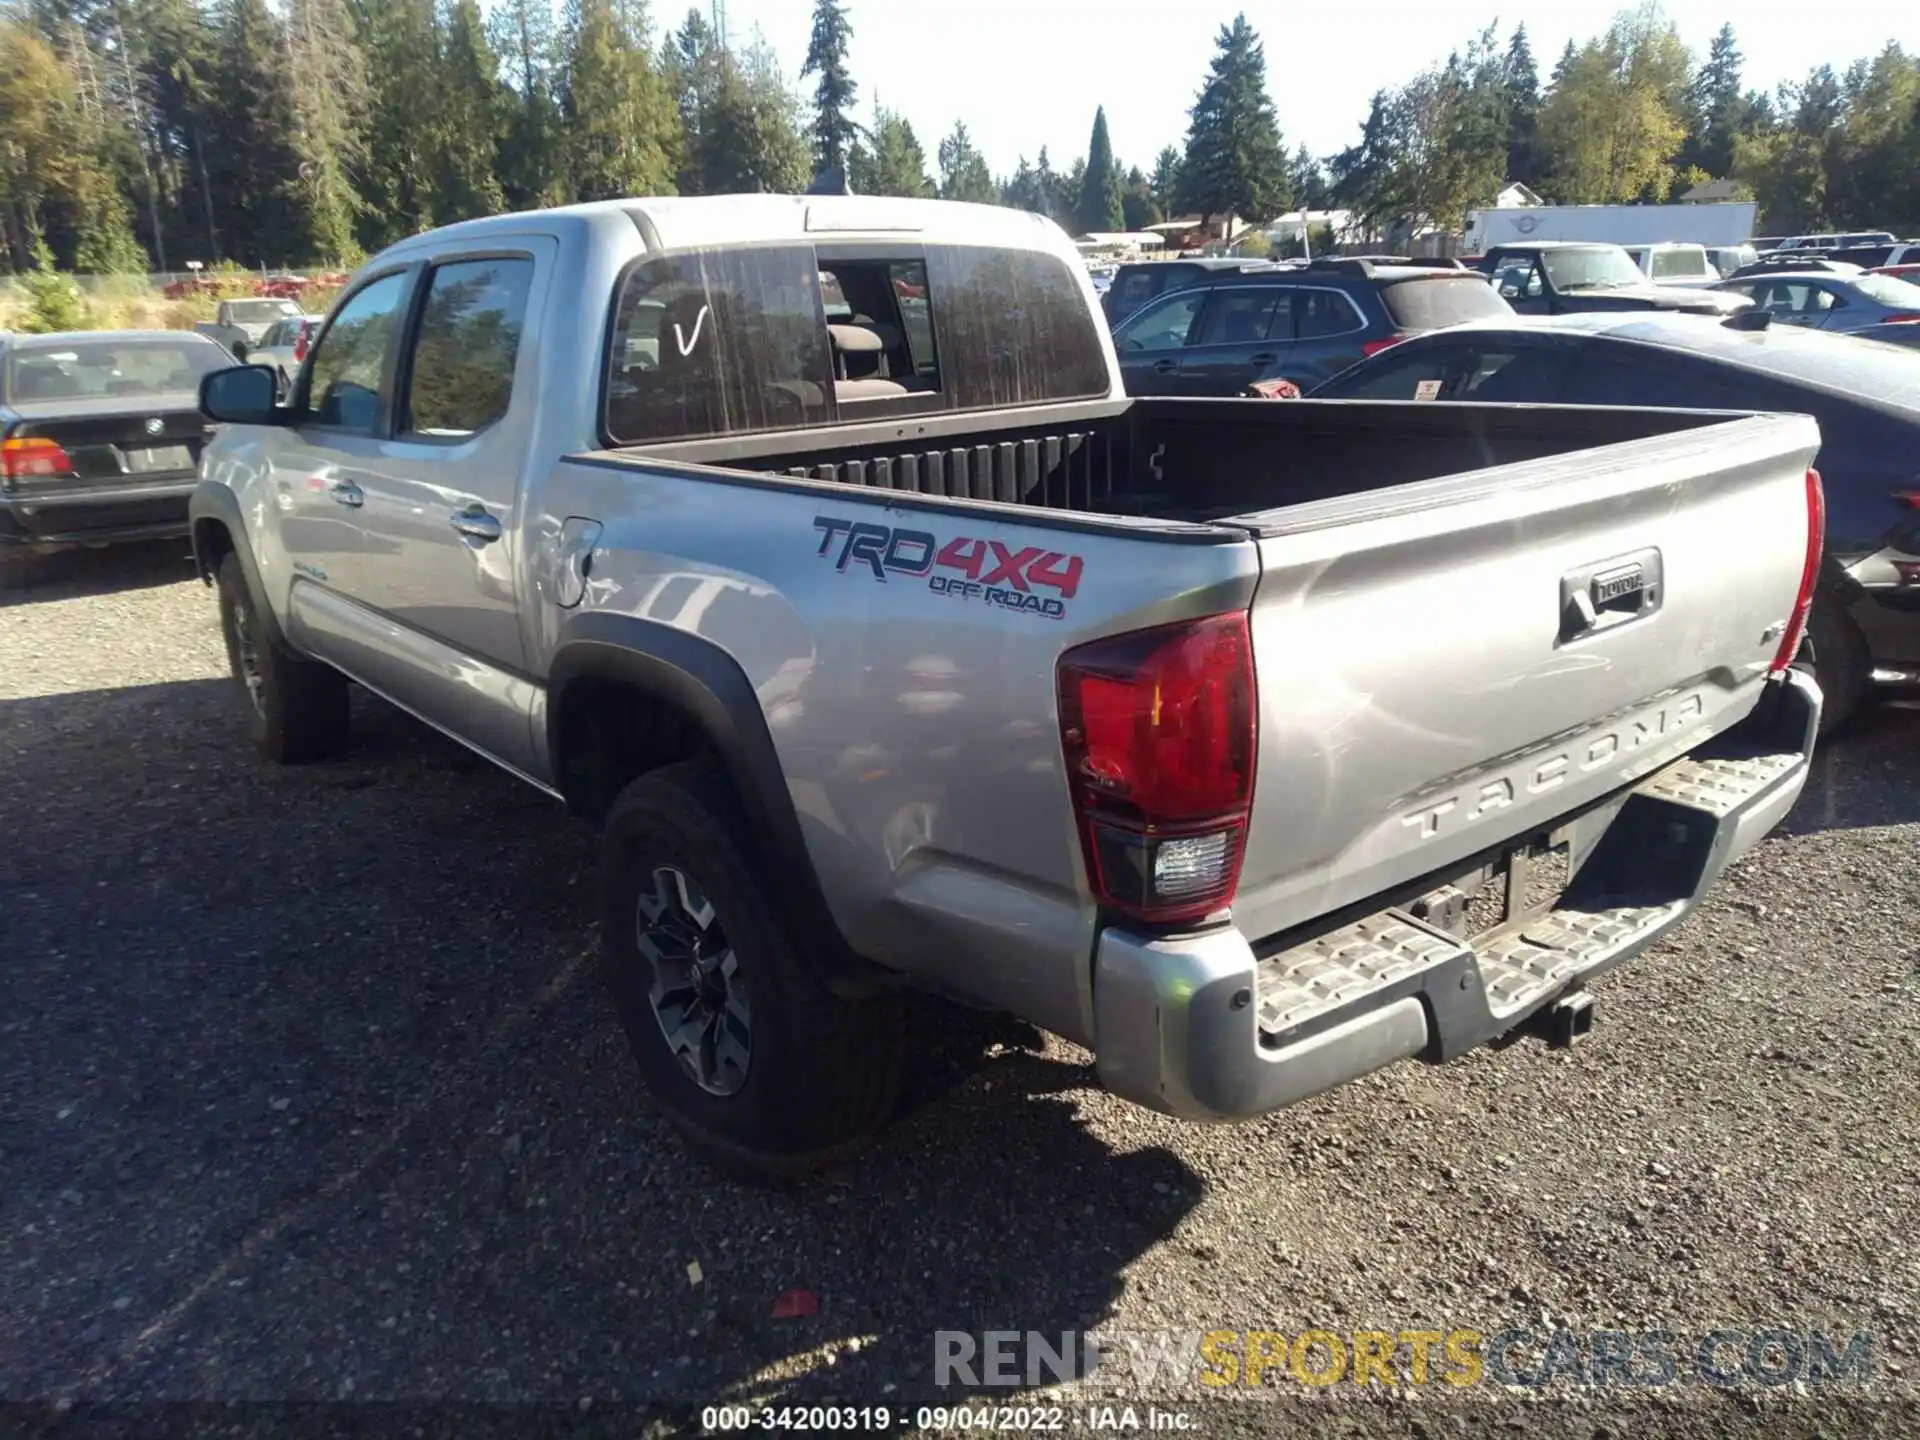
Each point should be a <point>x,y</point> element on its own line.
<point>823,1072</point>
<point>296,708</point>
<point>1836,652</point>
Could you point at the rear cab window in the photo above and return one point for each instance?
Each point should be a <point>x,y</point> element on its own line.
<point>733,341</point>
<point>1431,304</point>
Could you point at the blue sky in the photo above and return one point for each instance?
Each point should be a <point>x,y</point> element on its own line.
<point>1027,73</point>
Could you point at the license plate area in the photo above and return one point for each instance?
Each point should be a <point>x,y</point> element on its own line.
<point>157,459</point>
<point>1523,883</point>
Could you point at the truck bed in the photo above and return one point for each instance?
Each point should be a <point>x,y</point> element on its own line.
<point>1189,460</point>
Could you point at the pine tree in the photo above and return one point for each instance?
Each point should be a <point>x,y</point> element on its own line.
<point>1235,163</point>
<point>532,167</point>
<point>1165,181</point>
<point>1021,190</point>
<point>1309,180</point>
<point>963,170</point>
<point>1098,197</point>
<point>406,132</point>
<point>253,168</point>
<point>895,165</point>
<point>327,72</point>
<point>692,62</point>
<point>1522,81</point>
<point>473,120</point>
<point>622,131</point>
<point>834,131</point>
<point>1137,207</point>
<point>749,139</point>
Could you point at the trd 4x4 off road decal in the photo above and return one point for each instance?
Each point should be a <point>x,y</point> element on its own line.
<point>962,568</point>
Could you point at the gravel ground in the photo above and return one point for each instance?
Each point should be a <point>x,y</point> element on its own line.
<point>306,1095</point>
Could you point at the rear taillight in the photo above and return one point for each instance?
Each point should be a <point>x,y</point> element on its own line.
<point>1374,347</point>
<point>1158,728</point>
<point>1809,574</point>
<point>33,456</point>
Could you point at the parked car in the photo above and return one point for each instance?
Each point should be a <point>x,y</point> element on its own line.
<point>100,436</point>
<point>1866,398</point>
<point>1840,241</point>
<point>1143,751</point>
<point>1674,264</point>
<point>1726,259</point>
<point>1143,280</point>
<point>1907,335</point>
<point>241,324</point>
<point>1875,257</point>
<point>1219,335</point>
<point>1908,273</point>
<point>284,345</point>
<point>1563,277</point>
<point>1829,299</point>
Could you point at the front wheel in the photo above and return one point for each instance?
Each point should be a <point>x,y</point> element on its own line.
<point>760,1067</point>
<point>296,708</point>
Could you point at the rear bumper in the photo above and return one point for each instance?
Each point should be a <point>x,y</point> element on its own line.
<point>1202,1027</point>
<point>151,510</point>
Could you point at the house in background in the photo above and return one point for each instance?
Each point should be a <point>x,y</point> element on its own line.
<point>1515,196</point>
<point>1717,192</point>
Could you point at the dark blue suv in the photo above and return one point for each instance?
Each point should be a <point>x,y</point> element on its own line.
<point>1220,333</point>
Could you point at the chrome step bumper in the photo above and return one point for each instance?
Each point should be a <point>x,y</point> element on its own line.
<point>1200,1026</point>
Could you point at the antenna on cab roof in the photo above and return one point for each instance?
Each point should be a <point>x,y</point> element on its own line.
<point>832,180</point>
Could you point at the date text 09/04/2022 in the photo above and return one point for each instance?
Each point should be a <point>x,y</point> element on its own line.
<point>1003,1419</point>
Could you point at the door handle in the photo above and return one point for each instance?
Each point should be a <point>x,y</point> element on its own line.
<point>476,524</point>
<point>1165,367</point>
<point>348,493</point>
<point>1265,357</point>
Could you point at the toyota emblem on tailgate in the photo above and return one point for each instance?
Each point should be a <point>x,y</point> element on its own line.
<point>155,426</point>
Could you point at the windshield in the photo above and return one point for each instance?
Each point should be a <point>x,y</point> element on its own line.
<point>1591,267</point>
<point>91,369</point>
<point>1885,289</point>
<point>260,312</point>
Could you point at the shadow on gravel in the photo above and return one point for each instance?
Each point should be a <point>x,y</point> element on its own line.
<point>1867,776</point>
<point>70,574</point>
<point>309,1097</point>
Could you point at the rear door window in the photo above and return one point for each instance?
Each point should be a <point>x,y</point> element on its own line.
<point>718,342</point>
<point>1321,314</point>
<point>1433,304</point>
<point>1240,317</point>
<point>460,378</point>
<point>1014,328</point>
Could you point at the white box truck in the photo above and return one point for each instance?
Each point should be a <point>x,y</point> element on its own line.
<point>1724,223</point>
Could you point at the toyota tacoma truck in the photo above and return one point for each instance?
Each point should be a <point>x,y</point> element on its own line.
<point>811,548</point>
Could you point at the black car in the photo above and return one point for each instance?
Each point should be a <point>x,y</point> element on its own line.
<point>1865,395</point>
<point>1567,277</point>
<point>1144,280</point>
<point>1302,324</point>
<point>100,436</point>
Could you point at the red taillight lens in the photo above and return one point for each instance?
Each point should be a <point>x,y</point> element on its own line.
<point>1899,319</point>
<point>1158,728</point>
<point>1374,347</point>
<point>1809,574</point>
<point>33,456</point>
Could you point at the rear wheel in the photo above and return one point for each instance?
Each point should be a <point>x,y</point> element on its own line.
<point>745,1050</point>
<point>1836,654</point>
<point>296,708</point>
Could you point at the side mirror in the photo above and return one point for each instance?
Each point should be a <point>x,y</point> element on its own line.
<point>242,395</point>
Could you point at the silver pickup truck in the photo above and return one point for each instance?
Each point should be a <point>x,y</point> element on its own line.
<point>810,547</point>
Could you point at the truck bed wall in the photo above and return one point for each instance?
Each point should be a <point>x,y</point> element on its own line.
<point>1201,459</point>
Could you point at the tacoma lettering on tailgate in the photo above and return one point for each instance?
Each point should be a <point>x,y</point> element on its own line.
<point>1549,768</point>
<point>983,570</point>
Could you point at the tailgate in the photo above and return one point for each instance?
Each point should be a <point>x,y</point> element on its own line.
<point>1431,684</point>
